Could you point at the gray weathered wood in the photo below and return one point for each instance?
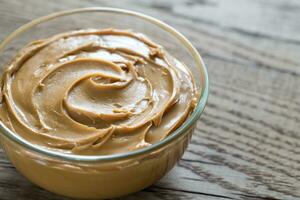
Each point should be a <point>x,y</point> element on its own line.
<point>247,144</point>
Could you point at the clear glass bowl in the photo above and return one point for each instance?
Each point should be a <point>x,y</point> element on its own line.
<point>112,175</point>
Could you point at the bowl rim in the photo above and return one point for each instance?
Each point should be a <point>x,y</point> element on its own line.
<point>99,158</point>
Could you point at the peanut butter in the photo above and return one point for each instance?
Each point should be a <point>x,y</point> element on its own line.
<point>95,92</point>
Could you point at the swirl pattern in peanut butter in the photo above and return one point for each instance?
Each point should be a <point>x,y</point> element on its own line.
<point>95,92</point>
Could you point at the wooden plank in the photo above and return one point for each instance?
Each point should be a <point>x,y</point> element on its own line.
<point>247,144</point>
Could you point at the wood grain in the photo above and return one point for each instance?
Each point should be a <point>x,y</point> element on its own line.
<point>247,143</point>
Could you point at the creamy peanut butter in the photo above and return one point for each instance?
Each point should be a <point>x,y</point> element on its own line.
<point>95,92</point>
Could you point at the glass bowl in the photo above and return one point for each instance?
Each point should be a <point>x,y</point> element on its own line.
<point>111,175</point>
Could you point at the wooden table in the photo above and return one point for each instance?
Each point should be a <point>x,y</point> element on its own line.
<point>247,144</point>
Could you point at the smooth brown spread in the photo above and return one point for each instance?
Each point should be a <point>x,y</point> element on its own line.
<point>95,92</point>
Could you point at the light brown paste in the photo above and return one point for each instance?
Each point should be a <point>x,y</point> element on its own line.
<point>95,92</point>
